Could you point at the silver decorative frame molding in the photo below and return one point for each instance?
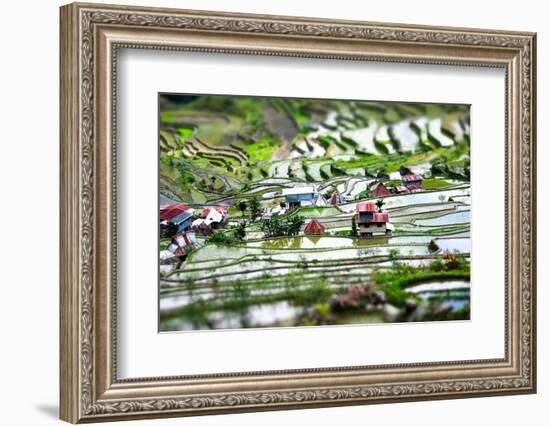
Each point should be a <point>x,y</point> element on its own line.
<point>90,37</point>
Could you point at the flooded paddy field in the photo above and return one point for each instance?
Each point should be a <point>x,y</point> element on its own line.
<point>291,281</point>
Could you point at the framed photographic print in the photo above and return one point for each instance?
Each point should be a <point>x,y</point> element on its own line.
<point>265,212</point>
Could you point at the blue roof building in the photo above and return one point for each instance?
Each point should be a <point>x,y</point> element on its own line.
<point>300,196</point>
<point>183,221</point>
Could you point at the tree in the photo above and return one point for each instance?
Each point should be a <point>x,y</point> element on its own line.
<point>272,226</point>
<point>242,206</point>
<point>221,238</point>
<point>281,226</point>
<point>379,204</point>
<point>255,208</point>
<point>353,226</point>
<point>240,230</point>
<point>294,225</point>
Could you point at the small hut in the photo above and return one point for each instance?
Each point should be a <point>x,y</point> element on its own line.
<point>412,182</point>
<point>336,198</point>
<point>380,190</point>
<point>182,243</point>
<point>320,201</point>
<point>315,228</point>
<point>399,189</point>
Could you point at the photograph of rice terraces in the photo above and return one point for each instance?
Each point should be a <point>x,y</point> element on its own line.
<point>288,212</point>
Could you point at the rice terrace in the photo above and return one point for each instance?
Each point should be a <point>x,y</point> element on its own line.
<point>278,212</point>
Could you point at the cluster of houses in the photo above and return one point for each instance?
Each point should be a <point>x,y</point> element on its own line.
<point>409,184</point>
<point>186,224</point>
<point>368,220</point>
<point>309,195</point>
<point>180,245</point>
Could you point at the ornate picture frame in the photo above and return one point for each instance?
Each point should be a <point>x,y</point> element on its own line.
<point>90,37</point>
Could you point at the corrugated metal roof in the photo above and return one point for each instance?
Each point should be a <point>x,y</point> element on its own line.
<point>314,227</point>
<point>167,212</point>
<point>381,217</point>
<point>299,190</point>
<point>365,207</point>
<point>409,178</point>
<point>181,217</point>
<point>206,211</point>
<point>380,190</point>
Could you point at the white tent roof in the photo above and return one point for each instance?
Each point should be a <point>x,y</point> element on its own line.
<point>320,201</point>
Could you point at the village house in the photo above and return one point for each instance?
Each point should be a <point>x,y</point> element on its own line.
<point>182,221</point>
<point>167,212</point>
<point>412,182</point>
<point>314,228</point>
<point>400,189</point>
<point>380,190</point>
<point>211,217</point>
<point>371,223</point>
<point>297,197</point>
<point>206,212</point>
<point>180,245</point>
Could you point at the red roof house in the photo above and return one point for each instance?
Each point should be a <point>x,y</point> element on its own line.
<point>182,243</point>
<point>314,227</point>
<point>381,217</point>
<point>401,189</point>
<point>380,190</point>
<point>365,207</point>
<point>371,222</point>
<point>412,182</point>
<point>167,212</point>
<point>206,211</point>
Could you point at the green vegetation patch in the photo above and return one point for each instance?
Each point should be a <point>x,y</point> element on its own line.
<point>186,132</point>
<point>434,183</point>
<point>166,117</point>
<point>316,212</point>
<point>261,150</point>
<point>395,281</point>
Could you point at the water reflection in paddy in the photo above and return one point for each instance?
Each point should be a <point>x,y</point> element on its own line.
<point>455,293</point>
<point>280,313</point>
<point>462,245</point>
<point>461,217</point>
<point>325,242</point>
